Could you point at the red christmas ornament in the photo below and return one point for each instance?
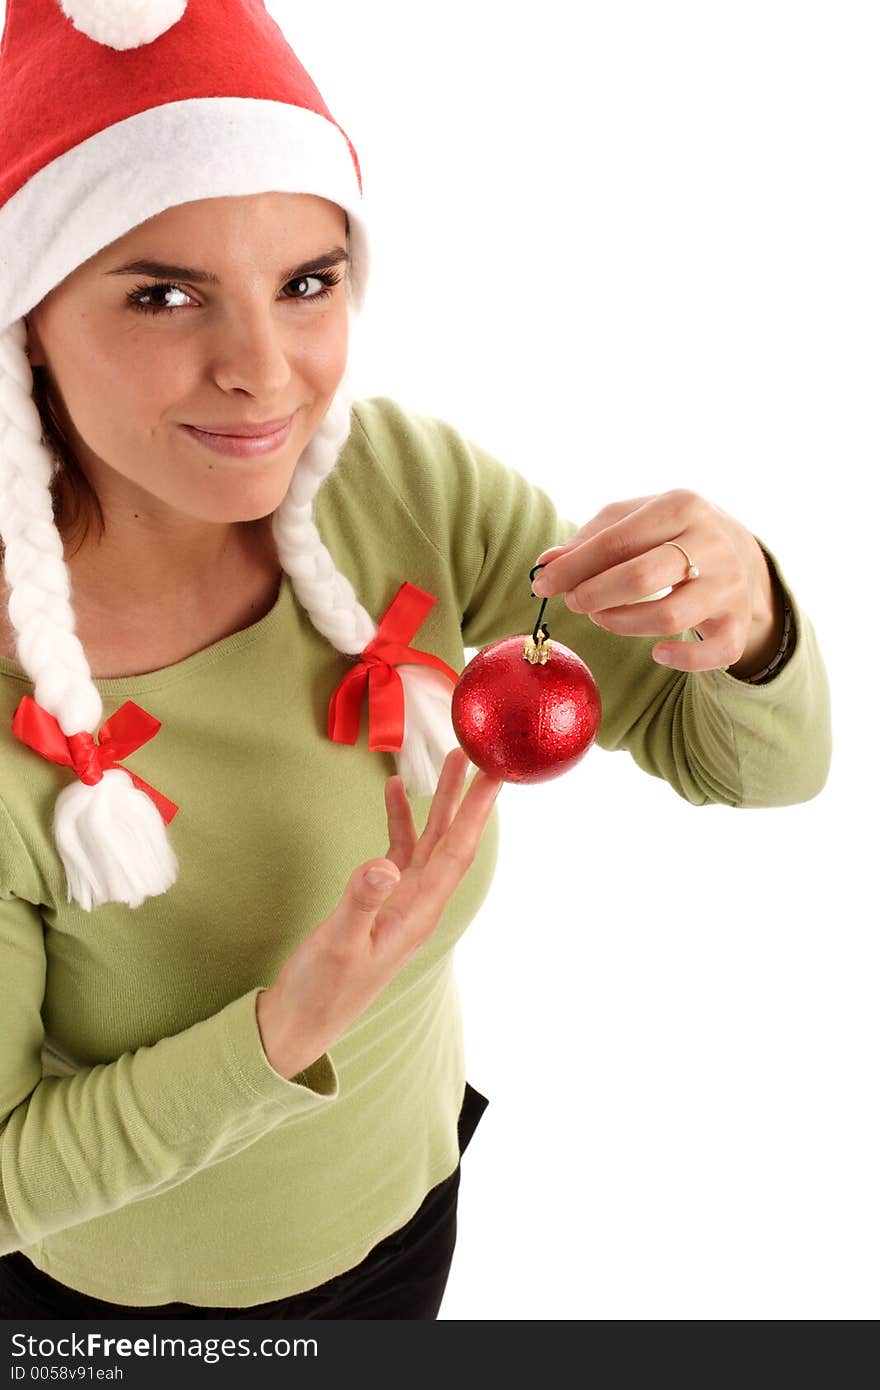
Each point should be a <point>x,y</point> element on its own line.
<point>526,709</point>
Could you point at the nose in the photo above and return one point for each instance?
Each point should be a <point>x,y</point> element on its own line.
<point>254,353</point>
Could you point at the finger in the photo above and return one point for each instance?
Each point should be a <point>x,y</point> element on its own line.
<point>645,578</point>
<point>362,899</point>
<point>686,606</point>
<point>628,538</point>
<point>402,833</point>
<point>599,522</point>
<point>444,805</point>
<point>722,645</point>
<point>454,851</point>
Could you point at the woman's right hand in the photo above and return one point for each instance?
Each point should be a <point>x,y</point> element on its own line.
<point>349,958</point>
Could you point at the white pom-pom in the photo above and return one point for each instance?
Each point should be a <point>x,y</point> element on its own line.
<point>130,25</point>
<point>113,842</point>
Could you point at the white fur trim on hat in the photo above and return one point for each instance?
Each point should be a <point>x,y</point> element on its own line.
<point>129,24</point>
<point>222,146</point>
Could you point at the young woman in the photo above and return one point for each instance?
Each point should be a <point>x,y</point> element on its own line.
<point>232,1076</point>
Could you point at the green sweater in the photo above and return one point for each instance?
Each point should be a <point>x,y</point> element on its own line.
<point>150,1152</point>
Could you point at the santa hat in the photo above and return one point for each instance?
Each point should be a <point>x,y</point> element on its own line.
<point>105,121</point>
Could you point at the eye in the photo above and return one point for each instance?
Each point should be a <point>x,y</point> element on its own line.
<point>328,279</point>
<point>136,296</point>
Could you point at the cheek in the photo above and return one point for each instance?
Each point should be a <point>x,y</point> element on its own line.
<point>322,360</point>
<point>119,385</point>
<point>123,382</point>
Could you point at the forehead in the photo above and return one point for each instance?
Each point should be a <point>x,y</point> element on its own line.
<point>257,225</point>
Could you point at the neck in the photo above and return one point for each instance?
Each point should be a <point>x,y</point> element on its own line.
<point>183,570</point>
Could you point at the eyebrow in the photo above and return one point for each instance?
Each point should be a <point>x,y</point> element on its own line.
<point>161,271</point>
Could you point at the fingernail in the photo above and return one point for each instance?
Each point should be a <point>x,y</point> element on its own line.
<point>379,878</point>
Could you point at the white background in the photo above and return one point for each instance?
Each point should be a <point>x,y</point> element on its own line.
<point>629,247</point>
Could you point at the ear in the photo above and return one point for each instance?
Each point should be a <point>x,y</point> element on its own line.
<point>32,349</point>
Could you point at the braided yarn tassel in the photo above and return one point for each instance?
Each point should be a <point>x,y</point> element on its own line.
<point>332,604</point>
<point>110,836</point>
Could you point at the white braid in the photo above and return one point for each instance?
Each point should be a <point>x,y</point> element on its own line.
<point>332,604</point>
<point>111,837</point>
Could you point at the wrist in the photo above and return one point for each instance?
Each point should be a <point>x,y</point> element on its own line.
<point>763,643</point>
<point>769,636</point>
<point>274,1029</point>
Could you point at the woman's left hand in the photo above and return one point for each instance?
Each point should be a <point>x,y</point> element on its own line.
<point>620,557</point>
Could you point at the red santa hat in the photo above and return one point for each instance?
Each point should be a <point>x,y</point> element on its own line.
<point>111,112</point>
<point>106,120</point>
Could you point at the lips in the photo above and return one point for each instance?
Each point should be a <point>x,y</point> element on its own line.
<point>240,445</point>
<point>244,431</point>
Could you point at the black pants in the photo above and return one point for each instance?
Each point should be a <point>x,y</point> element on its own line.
<point>404,1276</point>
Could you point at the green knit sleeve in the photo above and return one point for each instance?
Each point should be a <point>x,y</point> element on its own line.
<point>75,1146</point>
<point>712,737</point>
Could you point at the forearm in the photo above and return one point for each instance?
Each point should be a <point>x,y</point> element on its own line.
<point>80,1146</point>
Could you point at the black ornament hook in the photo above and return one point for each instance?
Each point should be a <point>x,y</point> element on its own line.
<point>539,626</point>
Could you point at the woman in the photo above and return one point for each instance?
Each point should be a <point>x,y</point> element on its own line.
<point>232,1068</point>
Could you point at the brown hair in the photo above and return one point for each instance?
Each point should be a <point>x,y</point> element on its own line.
<point>75,504</point>
<point>76,507</point>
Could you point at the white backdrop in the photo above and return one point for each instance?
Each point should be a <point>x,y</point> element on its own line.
<point>629,247</point>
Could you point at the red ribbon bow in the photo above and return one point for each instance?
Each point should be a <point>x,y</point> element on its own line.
<point>405,615</point>
<point>124,731</point>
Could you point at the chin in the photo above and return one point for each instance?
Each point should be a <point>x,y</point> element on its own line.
<point>250,495</point>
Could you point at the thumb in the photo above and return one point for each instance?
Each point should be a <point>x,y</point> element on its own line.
<point>370,885</point>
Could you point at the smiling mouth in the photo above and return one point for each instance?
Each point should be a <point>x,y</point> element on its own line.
<point>245,431</point>
<point>240,445</point>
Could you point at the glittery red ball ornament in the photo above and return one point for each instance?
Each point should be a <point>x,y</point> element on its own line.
<point>526,711</point>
